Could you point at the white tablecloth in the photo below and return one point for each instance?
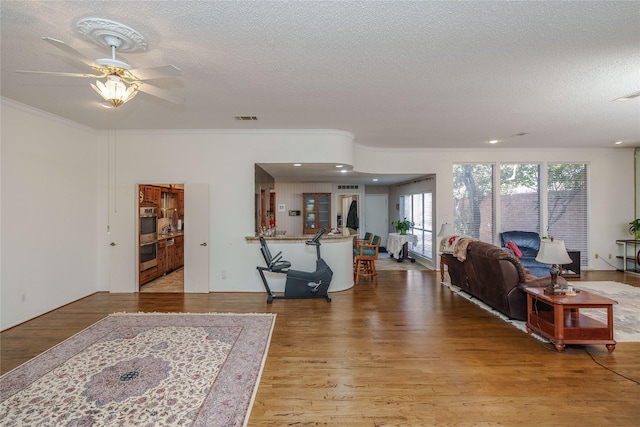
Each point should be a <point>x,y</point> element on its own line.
<point>397,240</point>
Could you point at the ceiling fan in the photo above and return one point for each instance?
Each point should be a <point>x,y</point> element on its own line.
<point>122,81</point>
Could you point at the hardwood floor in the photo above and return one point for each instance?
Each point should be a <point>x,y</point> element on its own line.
<point>407,352</point>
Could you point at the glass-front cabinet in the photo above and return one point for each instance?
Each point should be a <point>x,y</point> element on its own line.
<point>317,212</point>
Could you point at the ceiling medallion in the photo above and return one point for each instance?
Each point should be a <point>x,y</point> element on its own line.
<point>98,31</point>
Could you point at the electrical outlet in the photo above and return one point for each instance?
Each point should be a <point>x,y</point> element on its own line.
<point>609,256</point>
<point>596,256</point>
<point>23,297</point>
<point>224,274</point>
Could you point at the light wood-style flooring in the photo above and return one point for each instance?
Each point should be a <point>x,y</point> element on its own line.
<point>407,352</point>
<point>169,283</point>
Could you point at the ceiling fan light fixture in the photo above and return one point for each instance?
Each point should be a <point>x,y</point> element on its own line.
<point>114,90</point>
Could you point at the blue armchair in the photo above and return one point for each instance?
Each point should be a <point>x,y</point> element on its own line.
<point>529,244</point>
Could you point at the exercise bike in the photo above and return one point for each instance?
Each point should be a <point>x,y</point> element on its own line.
<point>299,284</point>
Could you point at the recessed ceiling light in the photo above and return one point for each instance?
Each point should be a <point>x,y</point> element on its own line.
<point>375,180</point>
<point>344,171</point>
<point>297,165</point>
<point>339,166</point>
<point>493,141</point>
<point>618,142</point>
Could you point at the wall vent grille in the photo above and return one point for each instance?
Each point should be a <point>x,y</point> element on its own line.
<point>249,118</point>
<point>348,187</point>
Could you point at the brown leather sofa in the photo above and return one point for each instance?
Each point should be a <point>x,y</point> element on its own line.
<point>496,277</point>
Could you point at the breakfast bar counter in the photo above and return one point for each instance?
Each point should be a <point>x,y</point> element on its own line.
<point>335,249</point>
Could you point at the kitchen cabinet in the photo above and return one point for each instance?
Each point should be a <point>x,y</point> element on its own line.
<point>179,251</point>
<point>180,203</point>
<point>162,257</point>
<point>148,275</point>
<point>316,212</point>
<point>150,194</point>
<point>171,255</point>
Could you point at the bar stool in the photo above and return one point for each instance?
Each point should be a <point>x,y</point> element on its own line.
<point>364,260</point>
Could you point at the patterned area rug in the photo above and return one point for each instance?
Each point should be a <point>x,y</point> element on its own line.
<point>144,370</point>
<point>626,314</point>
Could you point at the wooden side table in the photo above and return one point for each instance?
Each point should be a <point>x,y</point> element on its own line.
<point>558,318</point>
<point>443,262</point>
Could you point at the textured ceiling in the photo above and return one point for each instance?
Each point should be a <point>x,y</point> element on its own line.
<point>395,74</point>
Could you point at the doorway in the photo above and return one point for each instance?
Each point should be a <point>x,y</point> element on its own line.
<point>377,211</point>
<point>163,255</point>
<point>346,203</point>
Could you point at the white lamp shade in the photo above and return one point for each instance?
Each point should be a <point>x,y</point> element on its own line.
<point>553,252</point>
<point>446,230</point>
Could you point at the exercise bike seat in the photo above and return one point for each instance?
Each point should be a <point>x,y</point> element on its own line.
<point>274,264</point>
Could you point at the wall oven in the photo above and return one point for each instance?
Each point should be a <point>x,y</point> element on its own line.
<point>148,255</point>
<point>148,237</point>
<point>148,224</point>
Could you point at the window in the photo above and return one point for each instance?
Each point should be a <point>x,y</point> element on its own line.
<point>565,198</point>
<point>473,201</point>
<point>567,206</point>
<point>520,197</point>
<point>417,208</point>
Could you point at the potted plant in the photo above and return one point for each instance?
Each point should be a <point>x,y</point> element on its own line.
<point>634,228</point>
<point>402,226</point>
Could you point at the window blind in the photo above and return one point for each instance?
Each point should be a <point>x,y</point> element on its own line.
<point>567,197</point>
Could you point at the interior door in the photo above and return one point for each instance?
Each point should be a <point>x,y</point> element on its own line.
<point>196,238</point>
<point>123,239</point>
<point>377,216</point>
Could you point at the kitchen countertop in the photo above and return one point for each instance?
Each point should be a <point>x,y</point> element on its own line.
<point>301,238</point>
<point>170,235</point>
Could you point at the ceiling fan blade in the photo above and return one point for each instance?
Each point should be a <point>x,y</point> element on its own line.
<point>71,51</point>
<point>160,93</point>
<point>57,74</point>
<point>161,72</point>
<point>627,97</point>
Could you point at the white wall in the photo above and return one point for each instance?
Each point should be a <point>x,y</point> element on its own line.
<point>54,243</point>
<point>49,214</point>
<point>224,160</point>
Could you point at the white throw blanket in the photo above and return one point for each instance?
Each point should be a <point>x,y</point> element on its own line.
<point>456,245</point>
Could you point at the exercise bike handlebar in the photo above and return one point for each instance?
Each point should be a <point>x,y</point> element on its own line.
<point>315,241</point>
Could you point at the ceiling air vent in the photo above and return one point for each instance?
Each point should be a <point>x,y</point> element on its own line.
<point>245,118</point>
<point>347,186</point>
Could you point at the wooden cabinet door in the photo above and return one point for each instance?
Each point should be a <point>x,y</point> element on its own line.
<point>151,194</point>
<point>323,214</point>
<point>179,251</point>
<point>181,204</point>
<point>316,212</point>
<point>171,257</point>
<point>162,257</point>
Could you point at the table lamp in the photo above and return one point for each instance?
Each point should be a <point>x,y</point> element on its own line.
<point>446,230</point>
<point>553,252</point>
